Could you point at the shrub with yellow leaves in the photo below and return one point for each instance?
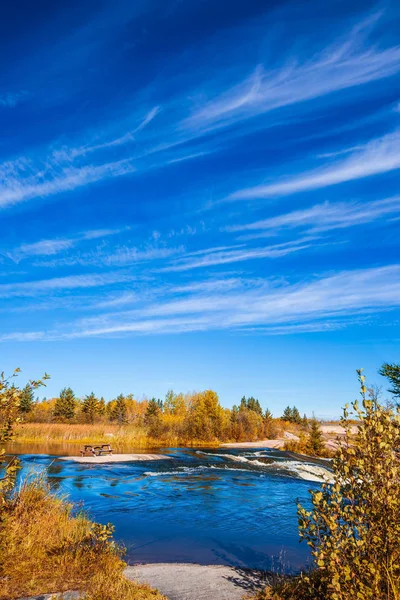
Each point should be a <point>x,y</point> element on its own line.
<point>354,527</point>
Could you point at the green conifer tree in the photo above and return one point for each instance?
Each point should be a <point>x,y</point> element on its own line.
<point>154,408</point>
<point>296,418</point>
<point>101,409</point>
<point>268,415</point>
<point>27,400</point>
<point>315,442</point>
<point>243,403</point>
<point>153,417</point>
<point>254,405</point>
<point>65,405</point>
<point>119,411</point>
<point>287,414</point>
<point>90,407</point>
<point>392,373</point>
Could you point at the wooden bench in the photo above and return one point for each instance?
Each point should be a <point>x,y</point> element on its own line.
<point>96,450</point>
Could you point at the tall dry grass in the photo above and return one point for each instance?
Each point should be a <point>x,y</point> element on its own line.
<point>120,436</point>
<point>45,549</point>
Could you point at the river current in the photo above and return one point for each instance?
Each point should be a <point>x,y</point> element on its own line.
<point>206,506</point>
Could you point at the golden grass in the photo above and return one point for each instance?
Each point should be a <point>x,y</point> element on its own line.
<point>118,435</point>
<point>44,549</point>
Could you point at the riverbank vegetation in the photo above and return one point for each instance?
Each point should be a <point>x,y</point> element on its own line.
<point>177,420</point>
<point>44,546</point>
<point>193,419</point>
<point>353,529</point>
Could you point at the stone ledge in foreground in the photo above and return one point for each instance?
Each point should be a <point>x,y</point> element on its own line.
<point>115,458</point>
<point>198,582</point>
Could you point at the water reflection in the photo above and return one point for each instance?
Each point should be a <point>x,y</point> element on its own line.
<point>53,472</point>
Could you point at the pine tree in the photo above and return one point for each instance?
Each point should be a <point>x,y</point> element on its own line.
<point>287,414</point>
<point>26,400</point>
<point>268,415</point>
<point>153,417</point>
<point>154,408</point>
<point>254,405</point>
<point>65,405</point>
<point>296,418</point>
<point>243,403</point>
<point>90,407</point>
<point>119,411</point>
<point>392,373</point>
<point>315,442</point>
<point>101,408</point>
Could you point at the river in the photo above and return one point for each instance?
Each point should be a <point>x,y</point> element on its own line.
<point>206,506</point>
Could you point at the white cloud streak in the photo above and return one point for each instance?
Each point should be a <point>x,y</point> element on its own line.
<point>330,301</point>
<point>117,257</point>
<point>55,246</point>
<point>347,63</point>
<point>322,217</point>
<point>327,302</point>
<point>121,140</point>
<point>44,286</point>
<point>221,257</point>
<point>377,156</point>
<point>23,180</point>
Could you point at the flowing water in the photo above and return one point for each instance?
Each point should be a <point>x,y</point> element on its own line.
<point>204,506</point>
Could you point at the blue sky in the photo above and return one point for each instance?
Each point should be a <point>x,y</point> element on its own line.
<point>193,197</point>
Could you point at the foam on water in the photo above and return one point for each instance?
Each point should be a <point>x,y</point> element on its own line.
<point>302,470</point>
<point>234,457</point>
<point>305,470</point>
<point>191,470</point>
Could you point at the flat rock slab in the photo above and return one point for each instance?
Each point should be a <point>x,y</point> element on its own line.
<point>58,596</point>
<point>115,458</point>
<point>197,582</point>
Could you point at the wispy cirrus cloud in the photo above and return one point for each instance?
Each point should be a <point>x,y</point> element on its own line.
<point>117,301</point>
<point>121,140</point>
<point>378,156</point>
<point>44,286</point>
<point>327,302</point>
<point>23,336</point>
<point>321,217</point>
<point>346,63</point>
<point>215,257</point>
<point>116,256</point>
<point>51,247</point>
<point>179,135</point>
<point>23,179</point>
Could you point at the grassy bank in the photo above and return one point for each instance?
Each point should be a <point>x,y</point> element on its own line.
<point>120,436</point>
<point>45,549</point>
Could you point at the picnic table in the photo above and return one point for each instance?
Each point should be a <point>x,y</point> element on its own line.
<point>96,450</point>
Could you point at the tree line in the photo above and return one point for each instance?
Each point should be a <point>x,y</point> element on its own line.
<point>196,415</point>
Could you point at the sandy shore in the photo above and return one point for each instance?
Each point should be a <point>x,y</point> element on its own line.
<point>115,458</point>
<point>265,443</point>
<point>261,444</point>
<point>197,582</point>
<point>338,429</point>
